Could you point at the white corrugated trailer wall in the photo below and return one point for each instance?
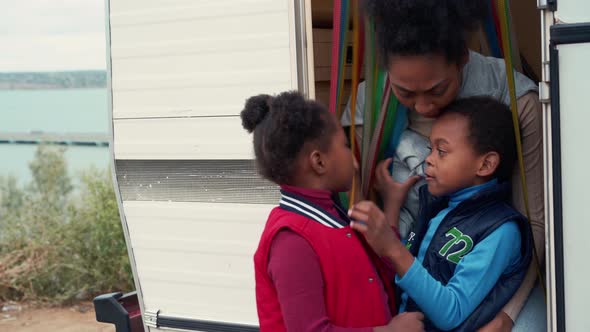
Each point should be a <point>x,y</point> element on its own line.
<point>180,73</point>
<point>575,181</point>
<point>573,214</point>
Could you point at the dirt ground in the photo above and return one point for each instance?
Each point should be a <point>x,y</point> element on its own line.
<point>26,318</point>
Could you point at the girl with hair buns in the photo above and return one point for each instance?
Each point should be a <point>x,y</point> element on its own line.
<point>313,272</point>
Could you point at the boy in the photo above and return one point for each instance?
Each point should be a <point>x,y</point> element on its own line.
<point>469,250</point>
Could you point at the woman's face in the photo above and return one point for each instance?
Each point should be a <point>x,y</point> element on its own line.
<point>425,83</point>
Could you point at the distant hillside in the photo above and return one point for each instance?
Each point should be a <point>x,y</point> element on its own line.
<point>54,80</point>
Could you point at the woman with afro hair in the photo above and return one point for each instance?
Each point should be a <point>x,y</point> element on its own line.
<point>423,46</point>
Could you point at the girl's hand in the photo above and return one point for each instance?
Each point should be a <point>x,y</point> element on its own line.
<point>369,220</point>
<point>393,193</point>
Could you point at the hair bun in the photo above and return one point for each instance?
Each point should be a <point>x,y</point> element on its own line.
<point>255,111</point>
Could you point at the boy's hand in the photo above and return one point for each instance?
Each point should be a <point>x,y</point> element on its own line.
<point>404,322</point>
<point>369,220</point>
<point>393,193</point>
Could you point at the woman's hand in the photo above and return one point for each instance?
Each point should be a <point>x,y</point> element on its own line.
<point>393,193</point>
<point>404,322</point>
<point>501,323</point>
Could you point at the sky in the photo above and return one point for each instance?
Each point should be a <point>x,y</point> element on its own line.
<point>52,35</point>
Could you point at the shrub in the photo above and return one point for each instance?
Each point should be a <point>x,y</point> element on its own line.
<point>59,242</point>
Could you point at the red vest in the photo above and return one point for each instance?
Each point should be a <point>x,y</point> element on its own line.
<point>352,287</point>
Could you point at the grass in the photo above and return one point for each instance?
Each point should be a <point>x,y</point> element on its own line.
<point>60,242</point>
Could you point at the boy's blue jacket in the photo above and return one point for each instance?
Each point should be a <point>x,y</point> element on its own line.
<point>475,218</point>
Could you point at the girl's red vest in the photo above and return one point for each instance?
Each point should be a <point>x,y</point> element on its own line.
<point>352,287</point>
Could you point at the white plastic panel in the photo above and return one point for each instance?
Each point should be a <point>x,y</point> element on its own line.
<point>178,138</point>
<point>181,71</point>
<point>195,260</point>
<point>575,180</point>
<point>198,58</point>
<point>573,11</point>
<point>144,99</point>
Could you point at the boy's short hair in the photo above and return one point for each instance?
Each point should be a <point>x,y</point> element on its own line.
<point>490,129</point>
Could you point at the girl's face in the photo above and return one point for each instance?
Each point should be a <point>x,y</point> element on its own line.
<point>339,162</point>
<point>425,83</point>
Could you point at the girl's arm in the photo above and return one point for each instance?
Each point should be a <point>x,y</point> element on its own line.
<point>299,283</point>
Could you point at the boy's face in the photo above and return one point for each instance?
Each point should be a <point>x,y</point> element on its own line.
<point>453,163</point>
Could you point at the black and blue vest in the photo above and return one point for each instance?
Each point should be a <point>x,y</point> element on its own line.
<point>470,222</point>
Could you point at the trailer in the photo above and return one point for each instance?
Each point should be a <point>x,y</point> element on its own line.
<point>192,205</point>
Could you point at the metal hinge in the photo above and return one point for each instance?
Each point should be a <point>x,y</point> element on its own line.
<point>547,4</point>
<point>544,92</point>
<point>150,318</point>
<point>544,85</point>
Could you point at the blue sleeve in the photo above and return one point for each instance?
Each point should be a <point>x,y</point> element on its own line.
<point>475,275</point>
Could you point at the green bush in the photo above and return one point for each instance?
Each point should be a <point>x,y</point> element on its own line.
<point>59,242</point>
